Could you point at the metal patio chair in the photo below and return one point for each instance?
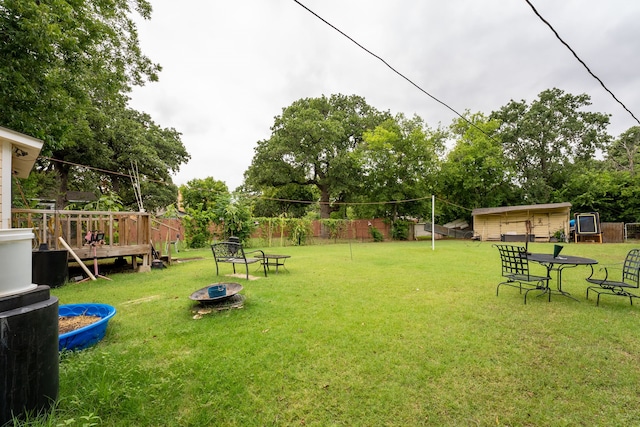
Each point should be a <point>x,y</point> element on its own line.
<point>515,268</point>
<point>630,279</point>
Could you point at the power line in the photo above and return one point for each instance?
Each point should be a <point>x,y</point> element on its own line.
<point>261,197</point>
<point>389,202</point>
<point>453,204</point>
<point>580,60</point>
<point>51,159</point>
<point>311,202</point>
<point>392,68</point>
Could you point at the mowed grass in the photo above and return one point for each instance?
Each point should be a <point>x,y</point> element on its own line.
<point>362,334</point>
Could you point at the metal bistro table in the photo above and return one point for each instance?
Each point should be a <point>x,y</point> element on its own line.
<point>273,260</point>
<point>558,264</point>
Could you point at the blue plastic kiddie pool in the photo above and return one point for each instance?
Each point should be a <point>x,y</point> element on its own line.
<point>89,335</point>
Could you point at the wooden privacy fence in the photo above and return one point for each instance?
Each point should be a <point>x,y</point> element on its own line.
<point>166,232</point>
<point>125,233</point>
<point>274,229</point>
<point>612,232</point>
<point>358,229</point>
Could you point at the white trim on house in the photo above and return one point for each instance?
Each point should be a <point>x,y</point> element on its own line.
<point>18,154</point>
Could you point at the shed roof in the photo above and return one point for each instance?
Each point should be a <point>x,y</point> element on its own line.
<point>505,209</point>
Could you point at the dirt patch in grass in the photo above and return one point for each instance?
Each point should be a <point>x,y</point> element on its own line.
<point>186,259</point>
<point>71,323</point>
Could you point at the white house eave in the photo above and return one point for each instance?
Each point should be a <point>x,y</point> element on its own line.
<point>24,151</point>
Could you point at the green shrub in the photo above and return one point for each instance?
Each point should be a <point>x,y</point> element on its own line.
<point>376,234</point>
<point>236,220</point>
<point>400,230</point>
<point>196,226</point>
<point>299,230</point>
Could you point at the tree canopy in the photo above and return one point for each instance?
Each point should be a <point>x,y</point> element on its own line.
<point>542,140</point>
<point>68,67</point>
<point>339,151</point>
<point>475,172</point>
<point>203,194</point>
<point>399,163</point>
<point>203,201</point>
<point>624,152</point>
<point>312,145</point>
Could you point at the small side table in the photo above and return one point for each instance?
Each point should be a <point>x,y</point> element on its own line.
<point>273,260</point>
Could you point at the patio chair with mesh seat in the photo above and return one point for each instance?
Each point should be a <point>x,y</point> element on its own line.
<point>515,268</point>
<point>629,280</point>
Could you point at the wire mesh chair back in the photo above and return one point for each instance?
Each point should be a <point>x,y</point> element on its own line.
<point>227,250</point>
<point>514,261</point>
<point>611,286</point>
<point>631,268</point>
<point>515,268</point>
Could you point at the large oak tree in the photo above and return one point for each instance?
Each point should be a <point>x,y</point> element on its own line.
<point>312,145</point>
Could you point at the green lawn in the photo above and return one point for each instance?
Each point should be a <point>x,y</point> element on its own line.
<point>368,334</point>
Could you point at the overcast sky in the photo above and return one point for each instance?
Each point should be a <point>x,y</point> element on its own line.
<point>230,67</point>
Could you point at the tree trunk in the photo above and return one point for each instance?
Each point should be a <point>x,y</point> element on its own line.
<point>325,210</point>
<point>63,173</point>
<point>325,207</point>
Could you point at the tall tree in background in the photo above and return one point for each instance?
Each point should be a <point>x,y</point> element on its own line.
<point>624,153</point>
<point>203,194</point>
<point>475,172</point>
<point>285,201</point>
<point>544,139</point>
<point>132,140</point>
<point>615,194</point>
<point>312,145</point>
<point>399,162</point>
<point>66,70</point>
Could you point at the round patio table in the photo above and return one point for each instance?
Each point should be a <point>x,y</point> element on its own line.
<point>558,264</point>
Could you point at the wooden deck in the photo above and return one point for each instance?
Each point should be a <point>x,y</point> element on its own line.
<point>125,233</point>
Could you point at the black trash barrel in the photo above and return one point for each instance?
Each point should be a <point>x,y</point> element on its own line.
<point>50,268</point>
<point>29,372</point>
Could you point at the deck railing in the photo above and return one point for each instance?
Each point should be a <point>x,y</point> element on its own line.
<point>119,228</point>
